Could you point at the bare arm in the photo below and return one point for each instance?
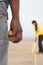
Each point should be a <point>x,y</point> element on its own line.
<point>15,8</point>
<point>15,25</point>
<point>15,14</point>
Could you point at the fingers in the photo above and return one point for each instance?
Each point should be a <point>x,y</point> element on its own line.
<point>15,38</point>
<point>18,37</point>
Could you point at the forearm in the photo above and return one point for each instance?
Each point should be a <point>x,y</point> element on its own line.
<point>14,4</point>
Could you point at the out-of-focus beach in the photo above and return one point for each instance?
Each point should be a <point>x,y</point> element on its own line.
<point>20,54</point>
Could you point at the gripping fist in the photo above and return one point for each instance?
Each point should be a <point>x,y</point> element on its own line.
<point>15,32</point>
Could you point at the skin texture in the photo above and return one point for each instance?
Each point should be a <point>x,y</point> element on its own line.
<point>15,26</point>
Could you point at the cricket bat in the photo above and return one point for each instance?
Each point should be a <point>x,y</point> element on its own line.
<point>33,48</point>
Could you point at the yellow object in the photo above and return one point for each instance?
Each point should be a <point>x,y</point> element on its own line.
<point>39,31</point>
<point>33,48</point>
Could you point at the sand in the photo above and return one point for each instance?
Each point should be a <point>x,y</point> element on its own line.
<point>20,54</point>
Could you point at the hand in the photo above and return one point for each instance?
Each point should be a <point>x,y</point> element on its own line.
<point>15,25</point>
<point>15,32</point>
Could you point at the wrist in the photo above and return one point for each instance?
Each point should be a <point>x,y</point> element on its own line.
<point>15,18</point>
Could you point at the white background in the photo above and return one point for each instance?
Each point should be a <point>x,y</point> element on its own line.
<point>29,10</point>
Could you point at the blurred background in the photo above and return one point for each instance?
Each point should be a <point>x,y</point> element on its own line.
<point>29,10</point>
<point>20,54</point>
